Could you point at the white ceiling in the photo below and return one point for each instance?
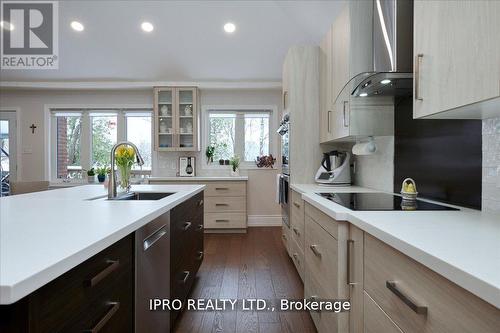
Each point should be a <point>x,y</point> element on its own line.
<point>188,42</point>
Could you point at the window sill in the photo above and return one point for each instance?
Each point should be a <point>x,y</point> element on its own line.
<point>242,167</point>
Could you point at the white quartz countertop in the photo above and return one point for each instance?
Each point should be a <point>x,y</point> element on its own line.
<point>45,234</point>
<point>201,178</point>
<point>463,246</point>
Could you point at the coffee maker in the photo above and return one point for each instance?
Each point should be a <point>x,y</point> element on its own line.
<point>335,169</point>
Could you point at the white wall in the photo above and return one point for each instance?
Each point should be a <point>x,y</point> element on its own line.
<point>491,165</point>
<point>31,104</point>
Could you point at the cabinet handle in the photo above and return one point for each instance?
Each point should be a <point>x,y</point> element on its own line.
<point>200,227</point>
<point>418,58</point>
<point>112,265</point>
<point>314,249</point>
<point>221,188</point>
<point>329,119</point>
<point>295,256</point>
<point>391,285</point>
<point>221,220</point>
<point>187,225</point>
<point>285,95</point>
<point>350,245</point>
<point>296,231</point>
<point>148,242</point>
<point>284,237</point>
<point>186,273</point>
<point>296,204</point>
<point>200,203</point>
<point>221,204</point>
<point>104,320</point>
<point>200,255</point>
<point>345,120</point>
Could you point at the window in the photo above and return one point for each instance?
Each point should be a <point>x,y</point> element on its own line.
<point>137,125</point>
<point>82,139</point>
<point>239,132</point>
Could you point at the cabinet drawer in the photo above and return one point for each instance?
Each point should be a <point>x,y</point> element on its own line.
<point>226,189</point>
<point>297,257</point>
<point>297,229</point>
<point>399,284</point>
<point>325,221</point>
<point>325,322</point>
<point>225,220</point>
<point>321,251</point>
<point>79,288</point>
<point>297,204</point>
<point>225,204</point>
<point>286,237</point>
<point>375,320</point>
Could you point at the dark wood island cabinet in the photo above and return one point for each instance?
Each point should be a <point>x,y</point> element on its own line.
<point>98,294</point>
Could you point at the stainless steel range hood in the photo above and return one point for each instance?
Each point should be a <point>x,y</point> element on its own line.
<point>392,51</point>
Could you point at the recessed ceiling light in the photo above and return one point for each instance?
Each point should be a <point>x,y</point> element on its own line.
<point>7,25</point>
<point>146,26</point>
<point>229,27</point>
<point>77,26</point>
<point>385,81</point>
<point>363,94</point>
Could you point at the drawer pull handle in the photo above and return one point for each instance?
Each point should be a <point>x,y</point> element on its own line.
<point>296,204</point>
<point>221,221</point>
<point>200,255</point>
<point>391,285</point>
<point>186,276</point>
<point>200,227</point>
<point>200,203</point>
<point>187,225</point>
<point>296,231</point>
<point>350,244</point>
<point>148,242</point>
<point>112,265</point>
<point>295,256</point>
<point>418,59</point>
<point>221,204</point>
<point>221,188</point>
<point>283,236</point>
<point>104,320</point>
<point>314,249</point>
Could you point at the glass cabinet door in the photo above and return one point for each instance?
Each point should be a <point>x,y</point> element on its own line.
<point>165,119</point>
<point>186,128</point>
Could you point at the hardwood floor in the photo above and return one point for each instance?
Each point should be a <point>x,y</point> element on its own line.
<point>242,266</point>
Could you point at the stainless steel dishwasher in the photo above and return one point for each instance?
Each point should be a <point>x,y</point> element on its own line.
<point>152,271</point>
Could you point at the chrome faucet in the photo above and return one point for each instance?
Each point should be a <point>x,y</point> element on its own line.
<point>112,176</point>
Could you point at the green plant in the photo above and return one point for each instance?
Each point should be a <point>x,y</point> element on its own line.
<point>91,172</point>
<point>103,171</point>
<point>235,162</point>
<point>210,152</point>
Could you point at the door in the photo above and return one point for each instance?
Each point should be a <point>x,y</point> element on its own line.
<point>456,52</point>
<point>8,158</point>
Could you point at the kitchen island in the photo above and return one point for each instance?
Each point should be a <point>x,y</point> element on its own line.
<point>47,235</point>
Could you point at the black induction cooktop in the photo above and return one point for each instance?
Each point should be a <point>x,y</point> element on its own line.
<point>380,201</point>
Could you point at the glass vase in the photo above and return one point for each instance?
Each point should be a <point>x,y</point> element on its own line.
<point>125,177</point>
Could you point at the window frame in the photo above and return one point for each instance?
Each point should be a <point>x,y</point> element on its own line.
<point>239,145</point>
<point>86,113</point>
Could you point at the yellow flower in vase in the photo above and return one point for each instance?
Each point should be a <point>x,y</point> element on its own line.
<point>125,158</point>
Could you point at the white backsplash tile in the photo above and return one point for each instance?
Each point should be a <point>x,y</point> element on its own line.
<point>491,165</point>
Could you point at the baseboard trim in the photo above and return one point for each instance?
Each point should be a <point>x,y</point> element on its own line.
<point>264,220</point>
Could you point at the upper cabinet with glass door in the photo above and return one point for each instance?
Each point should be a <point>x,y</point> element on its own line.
<point>176,119</point>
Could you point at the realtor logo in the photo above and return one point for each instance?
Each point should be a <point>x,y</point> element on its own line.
<point>29,35</point>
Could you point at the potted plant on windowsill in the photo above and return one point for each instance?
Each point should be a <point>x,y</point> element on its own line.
<point>235,164</point>
<point>101,174</point>
<point>91,176</point>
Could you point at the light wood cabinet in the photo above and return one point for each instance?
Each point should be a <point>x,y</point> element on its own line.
<point>325,257</point>
<point>456,54</point>
<point>375,319</point>
<point>326,89</point>
<point>417,299</point>
<point>176,119</point>
<point>225,206</point>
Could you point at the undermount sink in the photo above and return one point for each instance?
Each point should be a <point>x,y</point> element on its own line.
<point>141,196</point>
